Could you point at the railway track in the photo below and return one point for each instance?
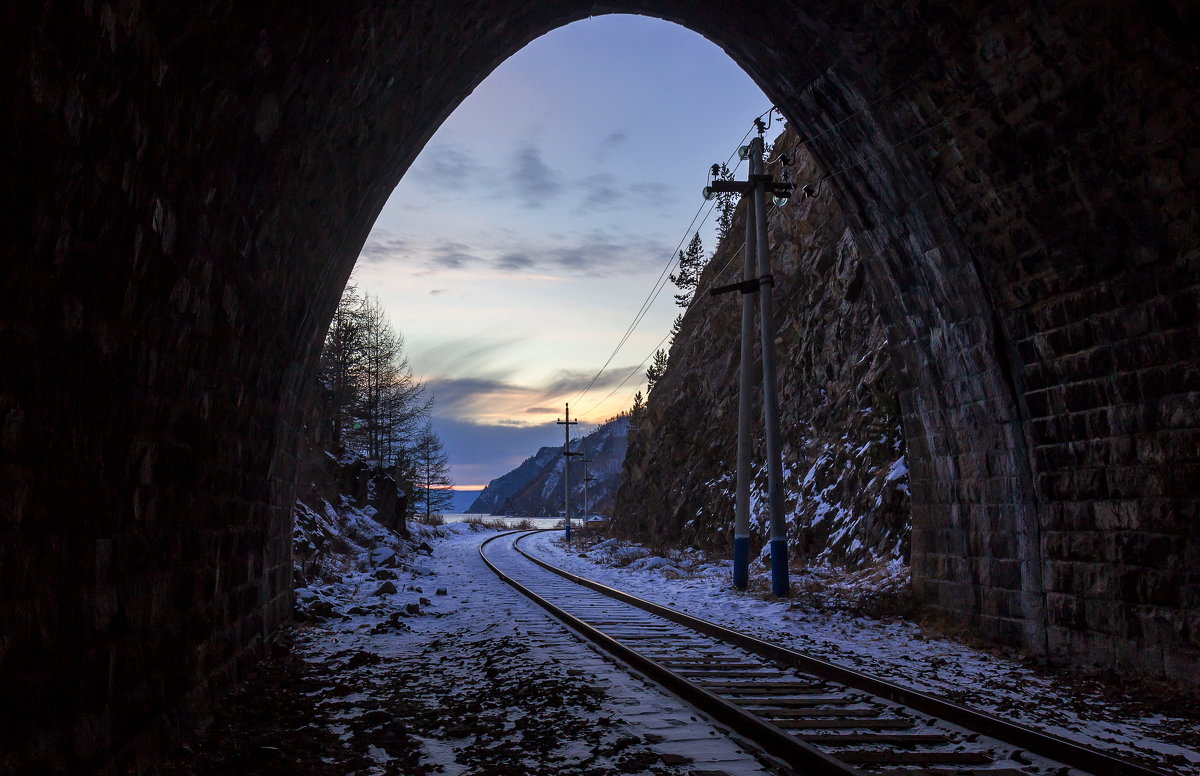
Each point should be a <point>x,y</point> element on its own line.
<point>814,716</point>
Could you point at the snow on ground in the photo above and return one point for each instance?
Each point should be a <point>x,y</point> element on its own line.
<point>413,658</point>
<point>822,621</point>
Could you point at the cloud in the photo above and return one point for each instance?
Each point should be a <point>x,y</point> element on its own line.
<point>595,253</point>
<point>652,192</point>
<point>451,255</point>
<point>466,357</point>
<point>570,381</point>
<point>599,192</point>
<point>494,399</point>
<point>468,396</point>
<point>437,291</point>
<point>384,246</point>
<point>381,246</point>
<point>511,262</point>
<point>609,143</point>
<point>449,167</point>
<point>534,182</point>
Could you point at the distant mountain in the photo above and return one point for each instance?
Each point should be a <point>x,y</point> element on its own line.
<point>535,488</point>
<point>463,499</point>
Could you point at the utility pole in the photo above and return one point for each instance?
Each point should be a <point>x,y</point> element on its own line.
<point>741,519</point>
<point>757,279</point>
<point>780,584</point>
<point>566,424</point>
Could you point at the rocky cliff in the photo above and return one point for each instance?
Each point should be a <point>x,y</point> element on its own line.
<point>535,488</point>
<point>846,485</point>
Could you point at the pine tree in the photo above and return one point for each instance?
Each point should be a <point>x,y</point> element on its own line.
<point>676,326</point>
<point>656,370</point>
<point>636,412</point>
<point>431,472</point>
<point>691,264</point>
<point>726,205</point>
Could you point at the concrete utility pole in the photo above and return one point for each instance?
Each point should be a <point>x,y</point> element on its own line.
<point>741,520</point>
<point>757,279</point>
<point>566,424</point>
<point>780,585</point>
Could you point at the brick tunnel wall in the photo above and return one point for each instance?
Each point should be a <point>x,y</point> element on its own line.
<point>186,189</point>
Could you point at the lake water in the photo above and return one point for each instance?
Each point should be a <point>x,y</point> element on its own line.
<point>537,522</point>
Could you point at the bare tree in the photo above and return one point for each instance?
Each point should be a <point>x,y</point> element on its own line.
<point>374,404</point>
<point>339,365</point>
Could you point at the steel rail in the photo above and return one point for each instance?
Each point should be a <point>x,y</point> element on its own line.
<point>773,740</point>
<point>1038,742</point>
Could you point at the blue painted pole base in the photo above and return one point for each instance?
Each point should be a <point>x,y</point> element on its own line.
<point>780,586</point>
<point>568,532</point>
<point>741,562</point>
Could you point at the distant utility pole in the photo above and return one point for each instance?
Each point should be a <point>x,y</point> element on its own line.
<point>566,424</point>
<point>757,279</point>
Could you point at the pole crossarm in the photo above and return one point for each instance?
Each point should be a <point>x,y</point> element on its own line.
<point>745,187</point>
<point>750,286</point>
<point>730,187</point>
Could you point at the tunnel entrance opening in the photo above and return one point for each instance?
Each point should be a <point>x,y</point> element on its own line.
<point>531,205</point>
<point>182,220</point>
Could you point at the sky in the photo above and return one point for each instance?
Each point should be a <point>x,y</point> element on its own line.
<point>527,234</point>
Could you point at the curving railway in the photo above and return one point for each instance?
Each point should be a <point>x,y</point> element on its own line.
<point>810,715</point>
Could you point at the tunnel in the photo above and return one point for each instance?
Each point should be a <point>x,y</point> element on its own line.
<point>187,187</point>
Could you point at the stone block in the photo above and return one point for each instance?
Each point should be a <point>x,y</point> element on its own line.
<point>1181,664</point>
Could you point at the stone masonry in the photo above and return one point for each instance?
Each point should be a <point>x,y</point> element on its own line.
<point>186,188</point>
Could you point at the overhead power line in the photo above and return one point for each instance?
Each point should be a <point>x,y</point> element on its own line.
<point>661,281</point>
<point>799,144</point>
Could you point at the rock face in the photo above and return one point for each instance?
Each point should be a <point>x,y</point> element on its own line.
<point>535,488</point>
<point>186,191</point>
<point>845,477</point>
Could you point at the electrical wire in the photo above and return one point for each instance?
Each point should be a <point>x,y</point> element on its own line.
<point>712,280</point>
<point>655,290</point>
<point>660,282</point>
<point>800,143</point>
<point>820,181</point>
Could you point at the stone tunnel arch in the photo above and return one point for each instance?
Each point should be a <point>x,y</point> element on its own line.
<point>188,191</point>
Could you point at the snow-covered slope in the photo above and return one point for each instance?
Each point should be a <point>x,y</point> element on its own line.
<point>535,488</point>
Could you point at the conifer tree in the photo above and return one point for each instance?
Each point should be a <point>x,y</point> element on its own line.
<point>431,473</point>
<point>656,370</point>
<point>726,205</point>
<point>691,264</point>
<point>636,412</point>
<point>676,326</point>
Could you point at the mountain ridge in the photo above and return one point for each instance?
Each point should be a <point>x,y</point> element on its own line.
<point>535,487</point>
